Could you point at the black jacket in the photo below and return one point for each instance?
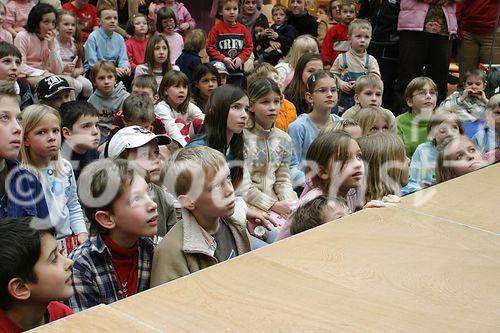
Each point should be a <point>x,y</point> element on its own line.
<point>305,24</point>
<point>383,15</point>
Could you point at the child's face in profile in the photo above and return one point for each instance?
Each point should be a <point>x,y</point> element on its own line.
<point>463,156</point>
<point>217,196</point>
<point>353,171</point>
<point>360,39</point>
<point>333,212</point>
<point>494,118</point>
<point>369,97</point>
<point>105,82</point>
<point>53,272</point>
<point>148,157</point>
<point>2,15</point>
<point>10,129</point>
<point>347,14</point>
<point>134,212</point>
<point>84,134</point>
<point>379,125</point>
<point>423,99</point>
<point>445,129</point>
<point>230,12</point>
<point>9,68</point>
<point>279,16</point>
<point>237,115</point>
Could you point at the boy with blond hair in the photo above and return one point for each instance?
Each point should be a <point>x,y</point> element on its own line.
<point>213,227</point>
<point>348,66</point>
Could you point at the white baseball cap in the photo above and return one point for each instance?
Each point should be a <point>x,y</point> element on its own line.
<point>133,137</point>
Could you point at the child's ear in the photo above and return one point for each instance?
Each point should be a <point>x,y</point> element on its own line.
<point>105,219</point>
<point>155,98</point>
<point>409,102</point>
<point>309,98</point>
<point>18,289</point>
<point>323,174</point>
<point>186,202</point>
<point>66,132</point>
<point>356,98</point>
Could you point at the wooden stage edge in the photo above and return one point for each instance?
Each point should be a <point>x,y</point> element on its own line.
<point>430,263</point>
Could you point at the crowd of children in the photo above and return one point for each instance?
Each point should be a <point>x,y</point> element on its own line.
<point>137,149</point>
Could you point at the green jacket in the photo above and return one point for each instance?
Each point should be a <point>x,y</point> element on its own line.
<point>413,131</point>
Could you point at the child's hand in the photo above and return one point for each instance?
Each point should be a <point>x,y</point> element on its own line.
<point>284,208</point>
<point>346,86</point>
<point>123,71</point>
<point>77,72</point>
<point>271,33</point>
<point>82,237</point>
<point>237,63</point>
<point>481,96</point>
<point>275,45</point>
<point>69,68</point>
<point>184,26</point>
<point>50,37</point>
<point>229,63</point>
<point>391,198</point>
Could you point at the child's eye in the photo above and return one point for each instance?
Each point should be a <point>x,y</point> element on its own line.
<point>472,150</point>
<point>4,117</point>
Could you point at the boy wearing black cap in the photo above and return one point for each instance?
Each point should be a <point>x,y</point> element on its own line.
<point>54,91</point>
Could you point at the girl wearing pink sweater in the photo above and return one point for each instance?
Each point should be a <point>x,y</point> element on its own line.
<point>17,15</point>
<point>38,45</point>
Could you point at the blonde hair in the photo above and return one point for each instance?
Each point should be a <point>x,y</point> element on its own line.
<point>300,46</point>
<point>359,24</point>
<point>494,102</point>
<point>378,150</point>
<point>183,168</point>
<point>366,118</point>
<point>339,125</point>
<point>441,115</point>
<point>261,70</point>
<point>368,81</point>
<point>31,116</point>
<point>196,40</point>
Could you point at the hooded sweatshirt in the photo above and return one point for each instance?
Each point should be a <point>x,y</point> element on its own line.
<point>108,106</point>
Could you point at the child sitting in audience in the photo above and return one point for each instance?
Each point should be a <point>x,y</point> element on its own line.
<point>267,151</point>
<point>40,153</point>
<point>38,45</point>
<point>137,28</point>
<point>183,16</point>
<point>54,91</point>
<point>322,95</point>
<point>135,143</point>
<point>165,25</point>
<point>5,35</point>
<point>442,124</point>
<point>21,193</point>
<point>287,114</point>
<point>105,44</point>
<point>488,137</point>
<point>34,276</point>
<point>209,232</point>
<point>336,39</point>
<point>10,57</point>
<point>373,120</point>
<point>205,80</point>
<point>336,170</point>
<point>286,68</point>
<point>80,132</point>
<point>115,262</point>
<point>16,14</point>
<point>108,96</point>
<point>182,119</point>
<point>157,59</point>
<point>388,167</point>
<point>318,211</point>
<point>421,98</point>
<point>189,59</point>
<point>86,16</point>
<point>350,65</point>
<point>308,64</point>
<point>457,156</point>
<point>348,125</point>
<point>368,92</point>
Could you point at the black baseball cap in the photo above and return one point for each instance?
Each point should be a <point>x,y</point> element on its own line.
<point>50,86</point>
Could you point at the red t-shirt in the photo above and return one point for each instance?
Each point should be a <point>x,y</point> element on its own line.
<point>136,50</point>
<point>126,266</point>
<point>335,43</point>
<point>86,18</point>
<point>55,310</point>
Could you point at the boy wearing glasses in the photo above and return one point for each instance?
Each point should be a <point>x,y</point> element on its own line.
<point>421,98</point>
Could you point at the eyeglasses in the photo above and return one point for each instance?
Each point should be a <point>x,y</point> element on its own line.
<point>326,90</point>
<point>423,93</point>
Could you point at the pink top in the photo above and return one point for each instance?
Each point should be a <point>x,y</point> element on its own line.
<point>176,45</point>
<point>5,36</point>
<point>17,14</point>
<point>36,57</point>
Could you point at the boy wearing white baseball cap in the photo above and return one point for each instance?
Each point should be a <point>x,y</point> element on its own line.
<point>135,143</point>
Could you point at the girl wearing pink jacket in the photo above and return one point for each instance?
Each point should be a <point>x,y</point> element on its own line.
<point>184,19</point>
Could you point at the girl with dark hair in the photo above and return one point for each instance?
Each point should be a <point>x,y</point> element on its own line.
<point>205,80</point>
<point>38,44</point>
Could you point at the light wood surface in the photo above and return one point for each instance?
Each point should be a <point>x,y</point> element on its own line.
<point>430,266</point>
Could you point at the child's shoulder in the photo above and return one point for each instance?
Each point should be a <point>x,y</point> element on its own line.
<point>58,310</point>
